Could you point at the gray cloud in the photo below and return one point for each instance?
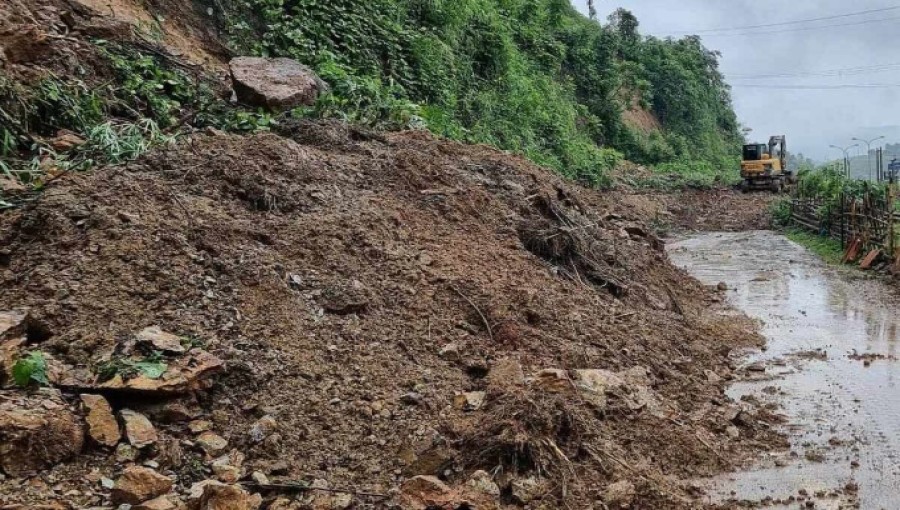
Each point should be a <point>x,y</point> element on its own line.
<point>812,119</point>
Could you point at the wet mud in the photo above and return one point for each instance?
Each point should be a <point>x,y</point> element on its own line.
<point>830,366</point>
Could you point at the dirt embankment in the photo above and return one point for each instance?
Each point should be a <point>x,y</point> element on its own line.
<point>713,210</point>
<point>400,305</point>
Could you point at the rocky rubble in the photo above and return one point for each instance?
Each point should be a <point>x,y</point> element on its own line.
<point>405,321</point>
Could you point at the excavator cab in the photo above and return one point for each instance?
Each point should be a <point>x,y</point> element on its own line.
<point>764,166</point>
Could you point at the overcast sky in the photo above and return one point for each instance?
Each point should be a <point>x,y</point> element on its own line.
<point>811,119</point>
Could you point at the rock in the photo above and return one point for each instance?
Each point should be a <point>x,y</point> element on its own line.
<point>259,478</point>
<point>712,377</point>
<point>619,495</point>
<point>198,426</point>
<point>160,503</point>
<point>733,432</point>
<point>450,352</point>
<point>102,425</point>
<point>422,492</point>
<point>526,490</point>
<point>160,340</point>
<point>125,453</point>
<point>228,497</point>
<point>553,380</point>
<point>196,492</point>
<point>594,384</point>
<point>139,484</point>
<point>263,428</point>
<point>481,482</point>
<point>756,367</point>
<point>275,83</point>
<point>412,398</point>
<point>13,323</point>
<point>187,374</point>
<point>469,401</point>
<point>36,432</point>
<point>138,429</point>
<point>227,468</point>
<point>722,286</point>
<point>282,504</point>
<point>10,351</point>
<point>279,468</point>
<point>212,443</point>
<point>66,140</point>
<point>506,374</point>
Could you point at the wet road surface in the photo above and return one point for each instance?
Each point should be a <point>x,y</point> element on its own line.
<point>833,339</point>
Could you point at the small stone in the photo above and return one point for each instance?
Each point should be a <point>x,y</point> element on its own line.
<point>422,492</point>
<point>263,428</point>
<point>712,377</point>
<point>259,478</point>
<point>619,495</point>
<point>733,432</point>
<point>722,286</point>
<point>228,497</point>
<point>198,426</point>
<point>160,340</point>
<point>470,401</point>
<point>138,429</point>
<point>412,398</point>
<point>160,503</point>
<point>506,374</point>
<point>66,140</point>
<point>279,468</point>
<point>212,443</point>
<point>35,435</point>
<point>553,380</point>
<point>526,490</point>
<point>125,453</point>
<point>138,484</point>
<point>450,352</point>
<point>107,483</point>
<point>481,482</point>
<point>102,425</point>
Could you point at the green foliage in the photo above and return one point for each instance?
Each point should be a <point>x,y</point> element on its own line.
<point>780,211</point>
<point>691,174</point>
<point>825,247</point>
<point>31,369</point>
<point>530,76</point>
<point>151,367</point>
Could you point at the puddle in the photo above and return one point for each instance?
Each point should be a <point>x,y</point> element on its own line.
<point>843,413</point>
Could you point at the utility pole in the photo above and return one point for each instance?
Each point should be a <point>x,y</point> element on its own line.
<point>846,151</point>
<point>868,152</point>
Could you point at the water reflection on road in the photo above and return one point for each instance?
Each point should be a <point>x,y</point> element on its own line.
<point>843,412</point>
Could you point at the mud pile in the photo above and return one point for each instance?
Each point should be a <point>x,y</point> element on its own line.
<point>389,306</point>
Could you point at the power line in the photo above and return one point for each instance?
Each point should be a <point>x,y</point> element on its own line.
<point>817,87</point>
<point>804,29</point>
<point>788,23</point>
<point>846,71</point>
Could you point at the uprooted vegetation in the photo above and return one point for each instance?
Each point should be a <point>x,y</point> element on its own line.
<point>380,298</point>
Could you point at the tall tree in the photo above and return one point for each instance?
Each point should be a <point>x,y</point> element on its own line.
<point>592,10</point>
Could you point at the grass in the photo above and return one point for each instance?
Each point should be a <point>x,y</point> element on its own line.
<point>826,248</point>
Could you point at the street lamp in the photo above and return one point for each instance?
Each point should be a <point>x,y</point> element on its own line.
<point>868,152</point>
<point>845,150</point>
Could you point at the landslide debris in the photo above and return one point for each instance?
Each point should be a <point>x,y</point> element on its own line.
<point>393,318</point>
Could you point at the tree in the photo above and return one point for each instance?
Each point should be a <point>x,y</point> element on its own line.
<point>592,10</point>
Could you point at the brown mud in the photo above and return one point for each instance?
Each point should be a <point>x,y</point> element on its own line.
<point>357,284</point>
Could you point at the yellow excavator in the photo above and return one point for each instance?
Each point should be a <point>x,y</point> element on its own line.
<point>764,167</point>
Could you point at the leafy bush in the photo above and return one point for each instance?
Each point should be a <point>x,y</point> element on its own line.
<point>530,76</point>
<point>31,369</point>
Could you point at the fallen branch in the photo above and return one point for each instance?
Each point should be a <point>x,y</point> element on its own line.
<point>477,310</point>
<point>303,487</point>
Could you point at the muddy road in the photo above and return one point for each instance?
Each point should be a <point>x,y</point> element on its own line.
<point>830,366</point>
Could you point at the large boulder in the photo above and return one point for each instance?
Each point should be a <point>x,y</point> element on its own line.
<point>275,83</point>
<point>36,432</point>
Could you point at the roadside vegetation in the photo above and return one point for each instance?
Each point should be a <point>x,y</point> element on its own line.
<point>534,77</point>
<point>530,76</point>
<point>826,248</point>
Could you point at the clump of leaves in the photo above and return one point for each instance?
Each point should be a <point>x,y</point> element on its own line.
<point>31,369</point>
<point>151,367</point>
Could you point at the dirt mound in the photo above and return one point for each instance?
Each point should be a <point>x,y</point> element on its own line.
<point>374,297</point>
<point>716,210</point>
